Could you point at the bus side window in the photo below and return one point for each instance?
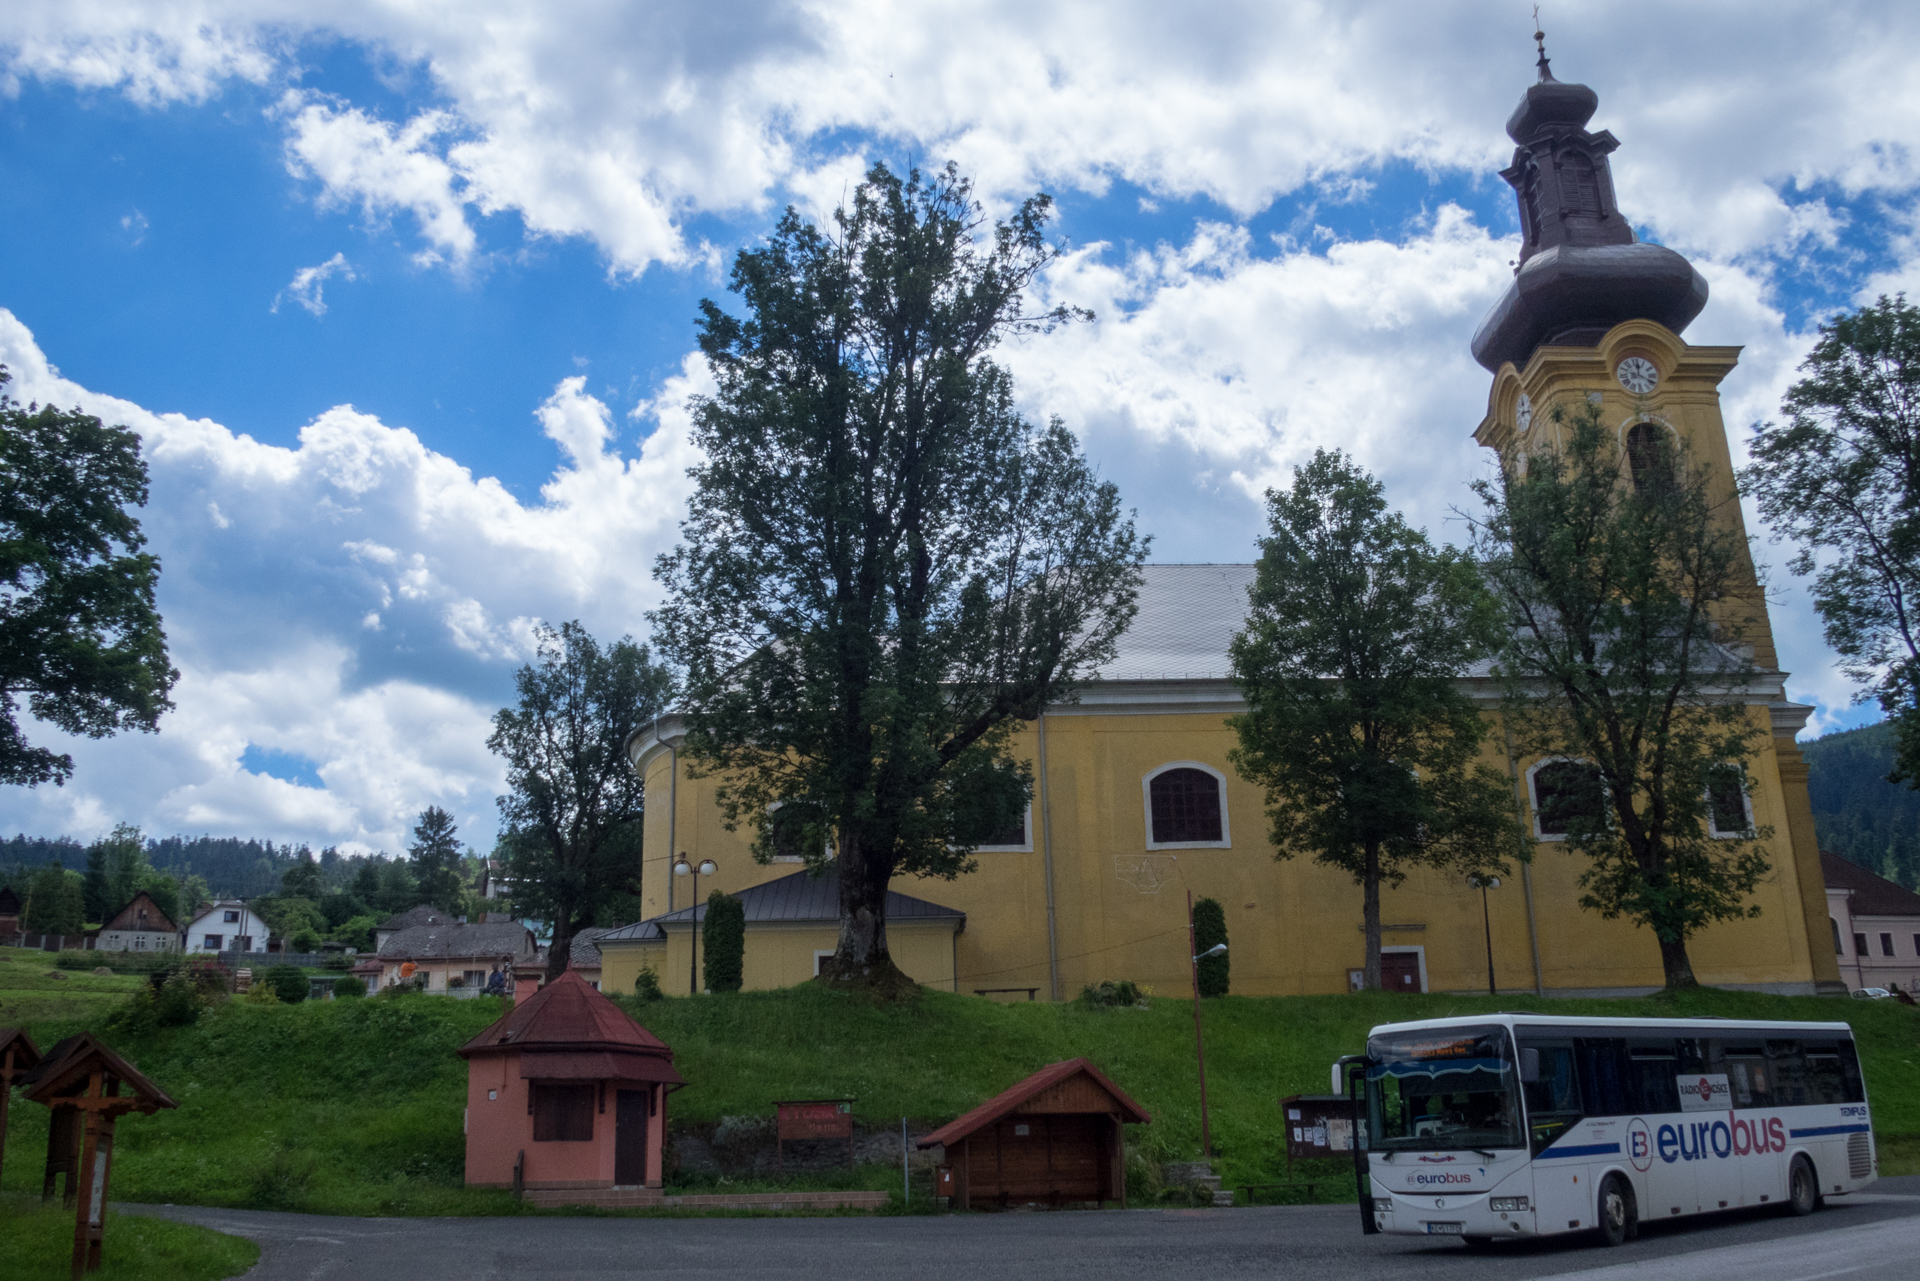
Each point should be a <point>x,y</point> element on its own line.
<point>1855,1085</point>
<point>1552,1092</point>
<point>1603,1077</point>
<point>1746,1069</point>
<point>1789,1073</point>
<point>1826,1082</point>
<point>1651,1072</point>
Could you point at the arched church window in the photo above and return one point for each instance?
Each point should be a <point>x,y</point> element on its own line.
<point>1580,186</point>
<point>1649,456</point>
<point>1566,795</point>
<point>1184,807</point>
<point>1530,206</point>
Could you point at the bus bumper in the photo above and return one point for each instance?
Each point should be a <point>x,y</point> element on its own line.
<point>1458,1216</point>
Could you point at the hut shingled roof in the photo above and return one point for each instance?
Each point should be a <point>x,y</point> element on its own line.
<point>566,1014</point>
<point>1011,1098</point>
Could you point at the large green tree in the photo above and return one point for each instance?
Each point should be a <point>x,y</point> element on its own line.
<point>1841,477</point>
<point>80,636</point>
<point>56,902</point>
<point>1627,592</point>
<point>1356,724</point>
<point>885,568</point>
<point>573,804</point>
<point>436,859</point>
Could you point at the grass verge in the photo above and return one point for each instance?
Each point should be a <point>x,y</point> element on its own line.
<point>36,1242</point>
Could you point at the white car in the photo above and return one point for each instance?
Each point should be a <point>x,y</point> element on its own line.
<point>1872,994</point>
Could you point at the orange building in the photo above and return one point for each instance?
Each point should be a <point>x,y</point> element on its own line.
<point>566,1092</point>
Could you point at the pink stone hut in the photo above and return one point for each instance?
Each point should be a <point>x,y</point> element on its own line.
<point>567,1092</point>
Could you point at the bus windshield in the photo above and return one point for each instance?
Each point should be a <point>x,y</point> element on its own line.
<point>1452,1090</point>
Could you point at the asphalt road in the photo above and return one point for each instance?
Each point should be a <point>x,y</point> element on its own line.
<point>1873,1236</point>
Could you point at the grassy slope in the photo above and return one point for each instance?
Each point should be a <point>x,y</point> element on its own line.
<point>355,1106</point>
<point>36,1242</point>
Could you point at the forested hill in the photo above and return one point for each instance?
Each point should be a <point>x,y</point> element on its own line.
<point>232,868</point>
<point>1860,816</point>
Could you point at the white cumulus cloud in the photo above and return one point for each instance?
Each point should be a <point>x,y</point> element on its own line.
<point>307,287</point>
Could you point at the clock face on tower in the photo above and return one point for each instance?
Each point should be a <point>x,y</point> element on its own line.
<point>1523,414</point>
<point>1637,375</point>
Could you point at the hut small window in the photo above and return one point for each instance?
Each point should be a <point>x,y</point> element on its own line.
<point>562,1113</point>
<point>1185,806</point>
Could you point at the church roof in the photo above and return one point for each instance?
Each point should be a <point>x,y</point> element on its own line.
<point>1187,614</point>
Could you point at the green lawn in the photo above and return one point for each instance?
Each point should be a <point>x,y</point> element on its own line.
<point>36,1242</point>
<point>355,1106</point>
<point>34,993</point>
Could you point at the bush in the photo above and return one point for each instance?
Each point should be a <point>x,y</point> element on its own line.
<point>261,993</point>
<point>723,935</point>
<point>1109,995</point>
<point>336,961</point>
<point>289,983</point>
<point>1209,929</point>
<point>348,986</point>
<point>647,985</point>
<point>179,1000</point>
<point>307,940</point>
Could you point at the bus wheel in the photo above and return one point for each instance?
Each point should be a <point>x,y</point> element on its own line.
<point>1619,1217</point>
<point>1803,1190</point>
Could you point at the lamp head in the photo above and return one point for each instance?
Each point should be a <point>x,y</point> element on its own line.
<point>1215,950</point>
<point>708,867</point>
<point>682,867</point>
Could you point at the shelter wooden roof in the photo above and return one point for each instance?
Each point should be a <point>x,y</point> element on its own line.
<point>1035,1094</point>
<point>25,1053</point>
<point>9,901</point>
<point>567,1031</point>
<point>67,1066</point>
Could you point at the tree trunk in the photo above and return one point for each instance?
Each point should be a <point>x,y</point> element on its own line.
<point>1371,914</point>
<point>560,951</point>
<point>861,959</point>
<point>1673,960</point>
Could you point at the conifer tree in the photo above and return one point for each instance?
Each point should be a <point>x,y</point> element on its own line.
<point>723,941</point>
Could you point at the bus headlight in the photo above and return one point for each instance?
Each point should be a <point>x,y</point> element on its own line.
<point>1502,1204</point>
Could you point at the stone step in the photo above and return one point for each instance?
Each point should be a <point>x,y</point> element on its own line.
<point>1222,1200</point>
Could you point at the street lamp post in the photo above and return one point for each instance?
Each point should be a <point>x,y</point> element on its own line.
<point>1199,1045</point>
<point>706,867</point>
<point>1486,919</point>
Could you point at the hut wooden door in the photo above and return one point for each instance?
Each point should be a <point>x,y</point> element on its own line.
<point>630,1138</point>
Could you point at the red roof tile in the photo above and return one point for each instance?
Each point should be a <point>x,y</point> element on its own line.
<point>1006,1101</point>
<point>566,1014</point>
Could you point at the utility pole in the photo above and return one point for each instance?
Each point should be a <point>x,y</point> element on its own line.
<point>1486,919</point>
<point>1199,1044</point>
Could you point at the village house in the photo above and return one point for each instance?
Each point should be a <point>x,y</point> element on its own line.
<point>227,926</point>
<point>454,958</point>
<point>140,926</point>
<point>1876,926</point>
<point>10,911</point>
<point>424,914</point>
<point>1137,804</point>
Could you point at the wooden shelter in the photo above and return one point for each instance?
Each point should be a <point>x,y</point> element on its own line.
<point>566,1091</point>
<point>81,1080</point>
<point>18,1056</point>
<point>1054,1137</point>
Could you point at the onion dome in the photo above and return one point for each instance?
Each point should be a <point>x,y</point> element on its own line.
<point>1581,269</point>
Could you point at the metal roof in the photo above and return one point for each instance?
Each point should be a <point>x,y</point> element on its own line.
<point>1012,1097</point>
<point>425,914</point>
<point>799,897</point>
<point>1872,895</point>
<point>1187,614</point>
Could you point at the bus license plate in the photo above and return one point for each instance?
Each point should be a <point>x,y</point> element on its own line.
<point>1445,1229</point>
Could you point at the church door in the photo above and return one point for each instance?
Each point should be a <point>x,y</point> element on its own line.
<point>1400,971</point>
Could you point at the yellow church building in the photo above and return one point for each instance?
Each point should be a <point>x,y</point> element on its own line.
<point>1136,805</point>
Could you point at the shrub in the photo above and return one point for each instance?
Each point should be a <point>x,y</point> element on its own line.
<point>647,985</point>
<point>289,982</point>
<point>179,1000</point>
<point>1209,929</point>
<point>336,961</point>
<point>261,993</point>
<point>307,940</point>
<point>1111,994</point>
<point>724,937</point>
<point>350,985</point>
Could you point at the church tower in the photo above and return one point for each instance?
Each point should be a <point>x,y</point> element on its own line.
<point>1595,314</point>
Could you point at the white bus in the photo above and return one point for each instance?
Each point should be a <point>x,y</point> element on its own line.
<point>1519,1125</point>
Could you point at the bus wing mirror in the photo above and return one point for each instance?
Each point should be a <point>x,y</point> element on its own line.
<point>1529,1065</point>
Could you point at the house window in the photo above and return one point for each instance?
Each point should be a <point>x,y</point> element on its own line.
<point>1916,945</point>
<point>211,942</point>
<point>1185,806</point>
<point>243,942</point>
<point>819,958</point>
<point>1839,950</point>
<point>474,978</point>
<point>1565,794</point>
<point>1017,836</point>
<point>1859,945</point>
<point>1886,945</point>
<point>562,1113</point>
<point>230,918</point>
<point>1728,813</point>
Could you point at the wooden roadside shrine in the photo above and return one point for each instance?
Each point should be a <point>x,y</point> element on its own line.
<point>81,1080</point>
<point>18,1056</point>
<point>1056,1136</point>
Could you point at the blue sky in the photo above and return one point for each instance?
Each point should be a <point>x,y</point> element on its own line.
<point>401,295</point>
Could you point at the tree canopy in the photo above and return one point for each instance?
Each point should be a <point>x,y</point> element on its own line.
<point>884,567</point>
<point>1627,594</point>
<point>80,634</point>
<point>573,805</point>
<point>436,859</point>
<point>1841,477</point>
<point>1356,725</point>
